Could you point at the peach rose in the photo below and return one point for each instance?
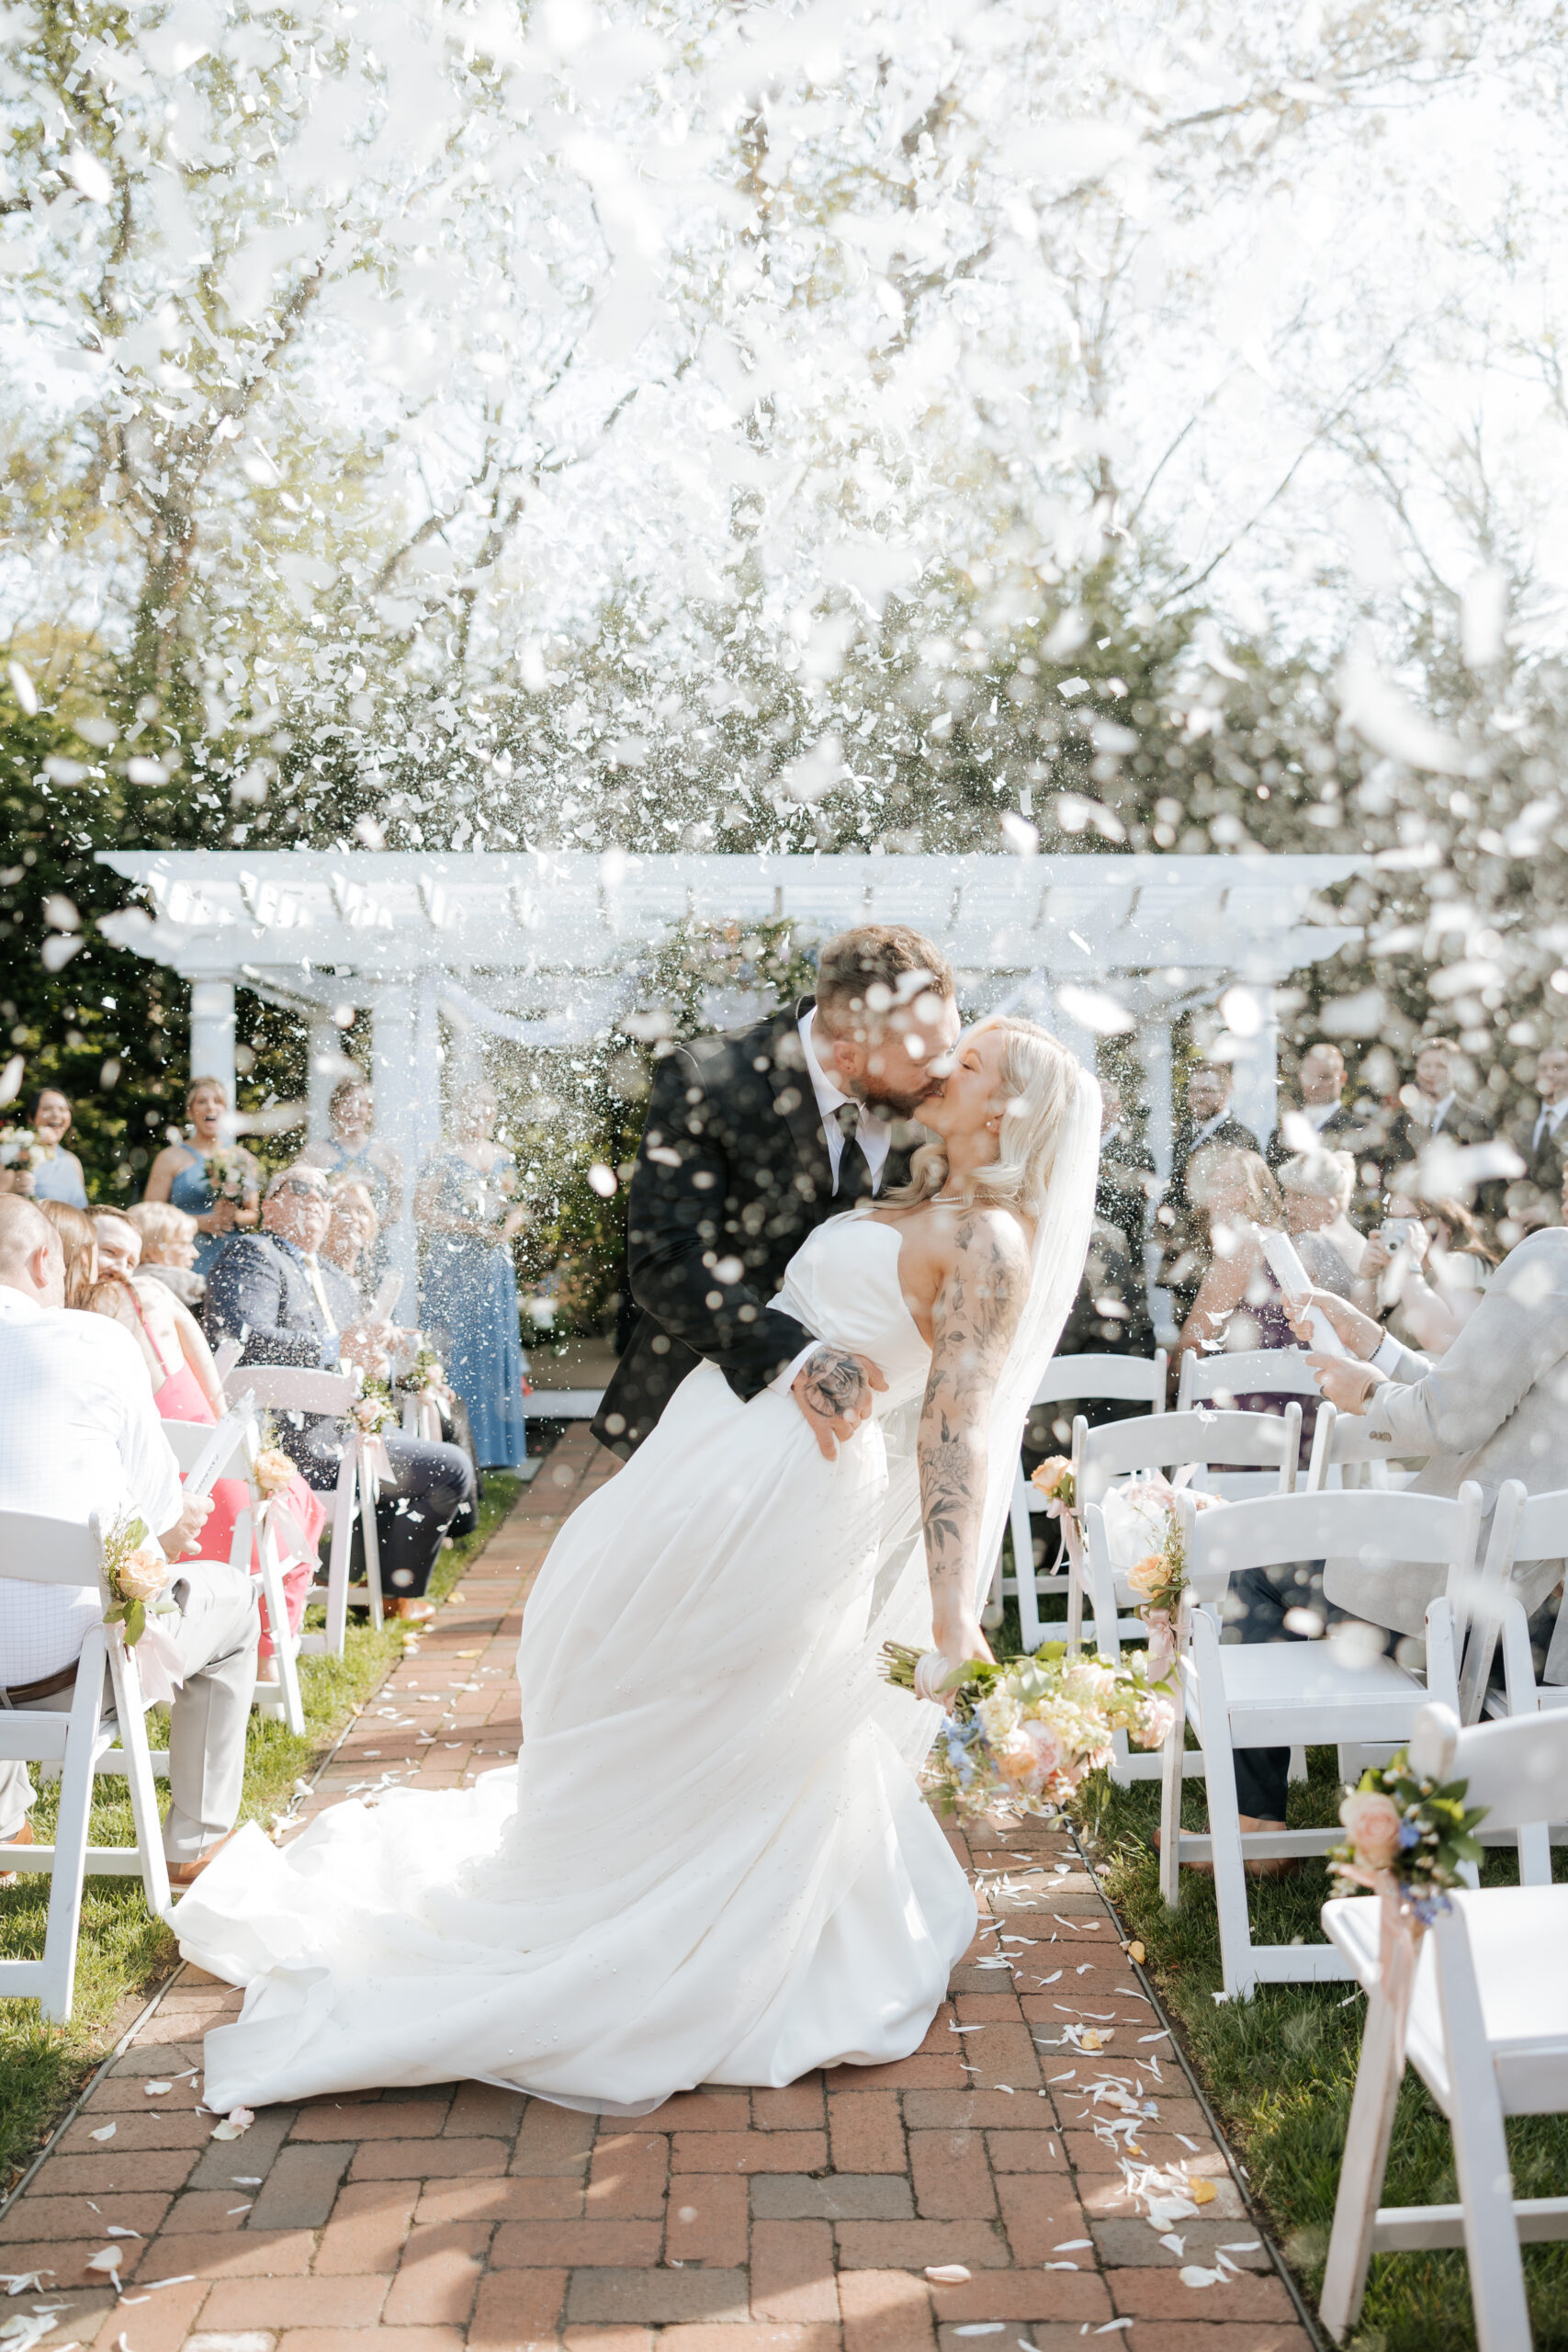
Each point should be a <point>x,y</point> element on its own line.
<point>1147,1576</point>
<point>144,1575</point>
<point>1159,1716</point>
<point>1016,1757</point>
<point>274,1470</point>
<point>1372,1822</point>
<point>1051,1474</point>
<point>1045,1742</point>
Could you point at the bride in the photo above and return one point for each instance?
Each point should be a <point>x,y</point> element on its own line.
<point>712,1861</point>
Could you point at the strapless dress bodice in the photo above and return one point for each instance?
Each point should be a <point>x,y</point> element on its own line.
<point>842,1284</point>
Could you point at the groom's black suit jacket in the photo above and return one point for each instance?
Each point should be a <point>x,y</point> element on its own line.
<point>733,1166</point>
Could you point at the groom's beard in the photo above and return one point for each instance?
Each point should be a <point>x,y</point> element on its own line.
<point>888,1107</point>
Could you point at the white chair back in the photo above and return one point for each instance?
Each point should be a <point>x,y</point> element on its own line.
<point>226,1355</point>
<point>35,1550</point>
<point>1171,1441</point>
<point>1517,1768</point>
<point>294,1388</point>
<point>191,1440</point>
<point>1376,1530</point>
<point>1094,1379</point>
<point>1127,1380</point>
<point>1248,1371</point>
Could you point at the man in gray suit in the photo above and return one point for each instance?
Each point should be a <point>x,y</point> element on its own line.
<point>1494,1406</point>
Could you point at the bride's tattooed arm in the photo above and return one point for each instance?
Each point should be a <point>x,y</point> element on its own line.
<point>973,1322</point>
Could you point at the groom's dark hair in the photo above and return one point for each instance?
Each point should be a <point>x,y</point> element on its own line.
<point>878,956</point>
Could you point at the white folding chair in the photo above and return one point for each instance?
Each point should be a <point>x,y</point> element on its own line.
<point>253,1538</point>
<point>1123,1380</point>
<point>1221,1378</point>
<point>225,1356</point>
<point>1488,2032</point>
<point>1344,1456</point>
<point>286,1388</point>
<point>1260,1452</point>
<point>79,1739</point>
<point>1277,1694</point>
<point>1531,1528</point>
<point>1268,1443</point>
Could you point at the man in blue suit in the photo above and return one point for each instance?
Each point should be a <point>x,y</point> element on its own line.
<point>287,1305</point>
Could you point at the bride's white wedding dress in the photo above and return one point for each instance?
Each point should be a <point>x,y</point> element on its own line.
<point>712,1863</point>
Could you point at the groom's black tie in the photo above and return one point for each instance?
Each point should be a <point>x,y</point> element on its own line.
<point>855,1171</point>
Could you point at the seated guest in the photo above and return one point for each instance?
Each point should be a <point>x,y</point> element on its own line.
<point>350,1246</point>
<point>179,1362</point>
<point>168,1248</point>
<point>78,1434</point>
<point>185,1387</point>
<point>1494,1408</point>
<point>351,1234</point>
<point>1179,1226</point>
<point>1316,1188</point>
<point>272,1291</point>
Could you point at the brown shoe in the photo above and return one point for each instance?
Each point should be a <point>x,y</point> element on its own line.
<point>409,1612</point>
<point>24,1837</point>
<point>182,1874</point>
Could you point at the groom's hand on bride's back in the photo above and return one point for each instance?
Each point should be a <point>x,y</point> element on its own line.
<point>833,1389</point>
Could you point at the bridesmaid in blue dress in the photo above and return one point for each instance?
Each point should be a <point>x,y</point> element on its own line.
<point>179,1175</point>
<point>57,1175</point>
<point>463,1209</point>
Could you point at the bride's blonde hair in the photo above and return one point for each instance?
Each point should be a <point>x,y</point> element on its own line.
<point>1039,1077</point>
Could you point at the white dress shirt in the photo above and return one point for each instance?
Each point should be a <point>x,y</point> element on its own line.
<point>78,1433</point>
<point>1318,1114</point>
<point>1440,1112</point>
<point>875,1137</point>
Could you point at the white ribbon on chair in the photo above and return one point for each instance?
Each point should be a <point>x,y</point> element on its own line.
<point>376,1462</point>
<point>159,1664</point>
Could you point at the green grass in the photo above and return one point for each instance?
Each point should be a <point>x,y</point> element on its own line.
<point>123,1954</point>
<point>1279,2070</point>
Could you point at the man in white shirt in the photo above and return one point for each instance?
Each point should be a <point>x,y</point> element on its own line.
<point>79,1434</point>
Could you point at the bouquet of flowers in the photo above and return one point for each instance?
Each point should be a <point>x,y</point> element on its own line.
<point>228,1173</point>
<point>274,1470</point>
<point>1159,1578</point>
<point>374,1410</point>
<point>20,1147</point>
<point>136,1574</point>
<point>425,1375</point>
<point>1027,1733</point>
<point>1053,1478</point>
<point>1405,1837</point>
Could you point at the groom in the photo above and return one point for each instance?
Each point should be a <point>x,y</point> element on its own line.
<point>752,1141</point>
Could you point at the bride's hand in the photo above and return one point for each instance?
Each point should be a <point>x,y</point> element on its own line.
<point>833,1389</point>
<point>959,1638</point>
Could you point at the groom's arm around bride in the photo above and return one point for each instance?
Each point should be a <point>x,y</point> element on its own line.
<point>751,1141</point>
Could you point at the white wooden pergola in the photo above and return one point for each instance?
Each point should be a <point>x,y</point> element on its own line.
<point>544,949</point>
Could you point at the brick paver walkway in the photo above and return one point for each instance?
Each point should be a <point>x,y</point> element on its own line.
<point>806,2220</point>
